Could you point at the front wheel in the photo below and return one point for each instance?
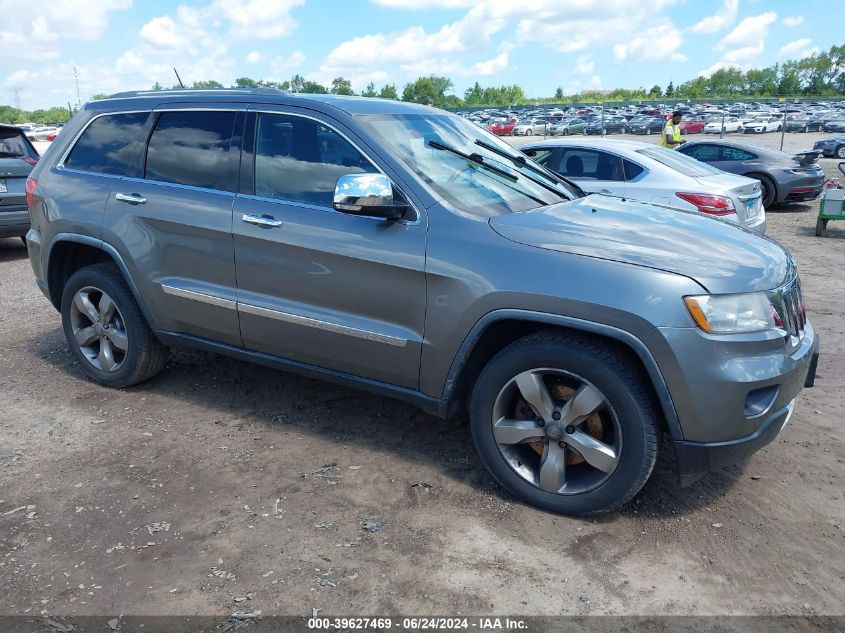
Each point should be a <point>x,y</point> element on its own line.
<point>565,424</point>
<point>106,330</point>
<point>840,151</point>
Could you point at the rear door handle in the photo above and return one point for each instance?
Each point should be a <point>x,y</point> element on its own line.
<point>264,220</point>
<point>131,198</point>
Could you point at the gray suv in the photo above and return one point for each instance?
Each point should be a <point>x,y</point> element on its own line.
<point>406,251</point>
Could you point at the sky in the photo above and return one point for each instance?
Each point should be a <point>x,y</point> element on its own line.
<point>539,44</point>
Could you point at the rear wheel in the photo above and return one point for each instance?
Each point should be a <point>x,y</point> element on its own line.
<point>565,424</point>
<point>767,187</point>
<point>106,329</point>
<point>840,151</point>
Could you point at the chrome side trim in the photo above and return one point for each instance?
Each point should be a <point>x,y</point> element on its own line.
<point>199,296</point>
<point>322,325</point>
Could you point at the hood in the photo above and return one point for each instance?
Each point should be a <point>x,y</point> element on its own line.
<point>721,257</point>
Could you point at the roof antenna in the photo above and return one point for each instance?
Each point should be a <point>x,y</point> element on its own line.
<point>181,85</point>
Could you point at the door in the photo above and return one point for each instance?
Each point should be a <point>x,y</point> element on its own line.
<point>173,225</point>
<point>593,170</point>
<point>329,289</point>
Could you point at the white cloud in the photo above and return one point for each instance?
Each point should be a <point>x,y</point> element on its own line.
<point>492,66</point>
<point>722,19</point>
<point>256,19</point>
<point>36,30</point>
<point>793,20</point>
<point>415,5</point>
<point>657,43</point>
<point>253,57</point>
<point>17,78</point>
<point>718,66</point>
<point>583,65</point>
<point>798,48</point>
<point>595,81</point>
<point>750,32</point>
<point>746,52</point>
<point>283,64</point>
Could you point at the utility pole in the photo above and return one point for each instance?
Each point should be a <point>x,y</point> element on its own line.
<point>78,98</point>
<point>783,123</point>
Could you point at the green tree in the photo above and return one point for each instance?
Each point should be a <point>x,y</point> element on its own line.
<point>559,94</point>
<point>369,91</point>
<point>99,96</point>
<point>313,87</point>
<point>341,86</point>
<point>429,90</point>
<point>297,83</point>
<point>157,86</point>
<point>670,90</point>
<point>245,82</point>
<point>655,93</point>
<point>207,83</point>
<point>388,91</point>
<point>474,95</point>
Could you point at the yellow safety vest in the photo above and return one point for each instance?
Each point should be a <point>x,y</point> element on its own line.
<point>674,129</point>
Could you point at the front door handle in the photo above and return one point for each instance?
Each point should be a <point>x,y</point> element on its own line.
<point>131,198</point>
<point>264,220</point>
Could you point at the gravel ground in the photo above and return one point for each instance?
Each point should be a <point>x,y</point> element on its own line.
<point>222,486</point>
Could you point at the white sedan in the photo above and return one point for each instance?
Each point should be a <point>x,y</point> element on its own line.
<point>728,124</point>
<point>764,124</point>
<point>653,174</point>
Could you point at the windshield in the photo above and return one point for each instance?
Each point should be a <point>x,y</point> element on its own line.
<point>680,162</point>
<point>493,185</point>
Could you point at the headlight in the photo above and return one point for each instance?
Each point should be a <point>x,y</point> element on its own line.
<point>732,314</point>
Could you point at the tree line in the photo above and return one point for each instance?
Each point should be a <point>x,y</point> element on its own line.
<point>819,75</point>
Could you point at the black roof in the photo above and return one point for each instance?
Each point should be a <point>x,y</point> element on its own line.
<point>322,102</point>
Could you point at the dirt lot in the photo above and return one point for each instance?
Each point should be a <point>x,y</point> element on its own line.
<point>219,480</point>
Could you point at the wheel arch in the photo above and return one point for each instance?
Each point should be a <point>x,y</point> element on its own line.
<point>500,328</point>
<point>70,251</point>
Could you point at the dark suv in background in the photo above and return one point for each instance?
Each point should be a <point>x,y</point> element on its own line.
<point>17,157</point>
<point>406,251</point>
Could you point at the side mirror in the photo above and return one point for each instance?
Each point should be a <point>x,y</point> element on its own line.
<point>367,194</point>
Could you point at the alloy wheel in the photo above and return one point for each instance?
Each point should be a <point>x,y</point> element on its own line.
<point>557,431</point>
<point>99,329</point>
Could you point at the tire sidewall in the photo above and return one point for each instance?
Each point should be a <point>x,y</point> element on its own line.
<point>121,298</point>
<point>617,488</point>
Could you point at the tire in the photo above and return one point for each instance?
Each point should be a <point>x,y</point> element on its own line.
<point>23,239</point>
<point>529,132</point>
<point>598,369</point>
<point>840,151</point>
<point>648,131</point>
<point>769,189</point>
<point>806,128</point>
<point>566,131</point>
<point>143,357</point>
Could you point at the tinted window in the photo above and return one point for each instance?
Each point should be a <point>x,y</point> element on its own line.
<point>632,170</point>
<point>300,160</point>
<point>703,153</point>
<point>191,148</point>
<point>734,153</point>
<point>590,164</point>
<point>13,144</point>
<point>111,144</point>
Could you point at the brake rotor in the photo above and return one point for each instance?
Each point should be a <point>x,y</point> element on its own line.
<point>592,426</point>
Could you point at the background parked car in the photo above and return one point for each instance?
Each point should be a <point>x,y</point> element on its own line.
<point>803,124</point>
<point>650,125</point>
<point>763,124</point>
<point>568,126</point>
<point>834,146</point>
<point>17,158</point>
<point>784,177</point>
<point>656,175</point>
<point>726,124</point>
<point>611,125</point>
<point>834,125</point>
<point>692,125</point>
<point>529,127</point>
<point>502,127</point>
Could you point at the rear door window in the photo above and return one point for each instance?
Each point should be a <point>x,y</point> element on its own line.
<point>192,148</point>
<point>590,165</point>
<point>704,153</point>
<point>300,160</point>
<point>111,144</point>
<point>734,153</point>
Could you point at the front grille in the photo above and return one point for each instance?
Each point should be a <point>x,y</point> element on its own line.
<point>789,304</point>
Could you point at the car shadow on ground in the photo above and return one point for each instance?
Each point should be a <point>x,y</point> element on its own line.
<point>275,399</point>
<point>12,249</point>
<point>791,207</point>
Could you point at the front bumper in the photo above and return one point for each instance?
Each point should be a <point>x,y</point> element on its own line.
<point>14,221</point>
<point>732,395</point>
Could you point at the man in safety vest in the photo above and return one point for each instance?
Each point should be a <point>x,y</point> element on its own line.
<point>671,136</point>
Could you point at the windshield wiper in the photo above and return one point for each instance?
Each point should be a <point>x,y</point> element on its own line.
<point>10,155</point>
<point>478,159</point>
<point>520,160</point>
